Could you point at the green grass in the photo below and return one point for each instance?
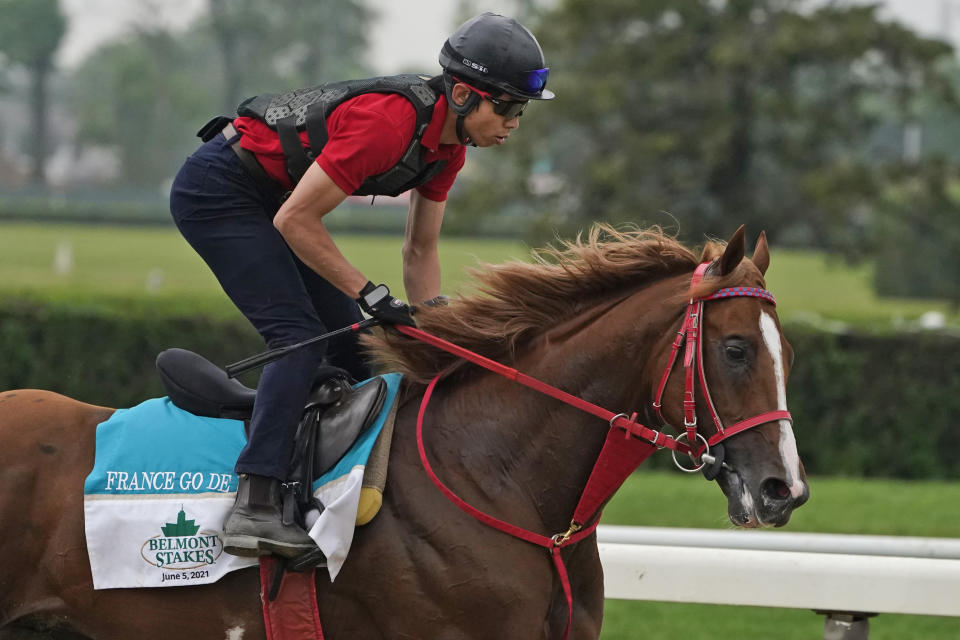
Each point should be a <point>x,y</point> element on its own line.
<point>815,288</point>
<point>837,505</point>
<point>111,265</point>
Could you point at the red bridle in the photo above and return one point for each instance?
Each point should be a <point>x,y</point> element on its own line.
<point>621,454</point>
<point>689,336</point>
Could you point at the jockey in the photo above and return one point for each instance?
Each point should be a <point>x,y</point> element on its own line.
<point>251,202</point>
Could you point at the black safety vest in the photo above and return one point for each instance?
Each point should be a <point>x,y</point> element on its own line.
<point>308,109</point>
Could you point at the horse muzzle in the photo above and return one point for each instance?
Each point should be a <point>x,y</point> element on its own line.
<point>777,501</point>
<point>766,503</point>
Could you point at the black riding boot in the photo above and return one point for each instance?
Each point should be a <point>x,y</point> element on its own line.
<point>254,526</point>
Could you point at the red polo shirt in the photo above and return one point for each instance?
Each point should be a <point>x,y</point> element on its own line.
<point>367,136</point>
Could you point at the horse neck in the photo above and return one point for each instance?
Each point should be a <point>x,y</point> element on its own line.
<point>522,455</point>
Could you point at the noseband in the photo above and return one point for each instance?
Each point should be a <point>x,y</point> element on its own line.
<point>689,336</point>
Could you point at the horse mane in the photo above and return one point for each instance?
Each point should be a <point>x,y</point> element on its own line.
<point>517,300</point>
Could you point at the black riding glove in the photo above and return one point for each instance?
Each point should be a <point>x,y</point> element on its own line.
<point>380,305</point>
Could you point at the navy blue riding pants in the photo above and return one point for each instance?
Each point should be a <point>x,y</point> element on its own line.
<point>227,217</point>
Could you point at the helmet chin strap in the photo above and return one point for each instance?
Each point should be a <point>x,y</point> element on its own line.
<point>462,110</point>
<point>461,134</point>
<point>471,103</point>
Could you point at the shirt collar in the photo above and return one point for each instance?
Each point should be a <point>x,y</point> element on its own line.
<point>431,137</point>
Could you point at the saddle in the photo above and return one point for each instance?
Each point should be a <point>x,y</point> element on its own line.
<point>335,415</point>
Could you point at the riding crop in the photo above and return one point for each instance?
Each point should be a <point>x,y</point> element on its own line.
<point>275,354</point>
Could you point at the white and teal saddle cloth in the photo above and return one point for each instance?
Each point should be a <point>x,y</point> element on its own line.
<point>161,486</point>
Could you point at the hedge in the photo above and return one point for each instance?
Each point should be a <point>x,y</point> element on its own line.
<point>103,357</point>
<point>877,405</point>
<point>863,404</point>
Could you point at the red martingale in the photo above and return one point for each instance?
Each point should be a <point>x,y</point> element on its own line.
<point>628,442</point>
<point>293,614</point>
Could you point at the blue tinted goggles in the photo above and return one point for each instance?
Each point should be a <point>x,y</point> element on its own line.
<point>532,81</point>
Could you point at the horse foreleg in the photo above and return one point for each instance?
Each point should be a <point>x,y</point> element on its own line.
<point>586,576</point>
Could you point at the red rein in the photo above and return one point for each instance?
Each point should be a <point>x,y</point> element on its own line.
<point>621,453</point>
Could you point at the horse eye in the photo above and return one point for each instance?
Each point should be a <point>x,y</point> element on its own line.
<point>737,354</point>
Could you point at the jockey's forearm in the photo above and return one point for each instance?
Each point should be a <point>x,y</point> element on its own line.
<point>300,221</point>
<point>421,259</point>
<point>421,275</point>
<point>311,242</point>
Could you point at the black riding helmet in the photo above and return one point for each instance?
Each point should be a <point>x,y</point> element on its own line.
<point>495,54</point>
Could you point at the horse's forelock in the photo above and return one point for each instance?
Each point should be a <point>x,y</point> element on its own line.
<point>712,250</point>
<point>517,300</point>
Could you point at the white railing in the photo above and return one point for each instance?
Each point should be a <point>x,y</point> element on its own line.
<point>847,577</point>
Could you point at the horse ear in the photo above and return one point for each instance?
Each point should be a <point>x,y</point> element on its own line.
<point>761,253</point>
<point>733,254</point>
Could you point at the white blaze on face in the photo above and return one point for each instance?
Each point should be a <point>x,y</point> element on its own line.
<point>235,633</point>
<point>788,444</point>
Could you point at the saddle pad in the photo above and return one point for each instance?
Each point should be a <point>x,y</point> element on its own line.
<point>162,484</point>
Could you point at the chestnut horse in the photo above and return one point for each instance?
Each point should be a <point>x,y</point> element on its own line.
<point>596,317</point>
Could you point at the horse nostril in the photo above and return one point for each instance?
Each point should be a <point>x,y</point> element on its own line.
<point>775,490</point>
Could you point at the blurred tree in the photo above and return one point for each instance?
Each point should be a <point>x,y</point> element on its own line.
<point>287,43</point>
<point>145,96</point>
<point>918,232</point>
<point>30,33</point>
<point>4,70</point>
<point>710,113</point>
<point>234,23</point>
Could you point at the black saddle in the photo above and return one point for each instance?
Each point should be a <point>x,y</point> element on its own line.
<point>195,384</point>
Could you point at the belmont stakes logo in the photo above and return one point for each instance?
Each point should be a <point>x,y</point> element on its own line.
<point>182,547</point>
